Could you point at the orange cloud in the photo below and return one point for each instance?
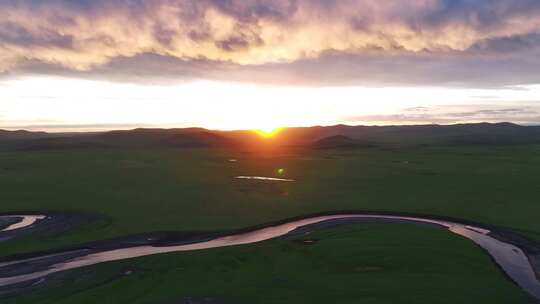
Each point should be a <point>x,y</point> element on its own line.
<point>81,35</point>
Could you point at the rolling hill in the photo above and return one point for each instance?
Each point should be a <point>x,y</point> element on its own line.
<point>339,136</point>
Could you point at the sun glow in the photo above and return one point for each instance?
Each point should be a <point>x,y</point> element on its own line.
<point>61,104</point>
<point>268,132</point>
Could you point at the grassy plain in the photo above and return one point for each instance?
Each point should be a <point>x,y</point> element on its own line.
<point>194,190</point>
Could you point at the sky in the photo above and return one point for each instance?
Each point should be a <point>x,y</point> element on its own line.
<point>83,65</point>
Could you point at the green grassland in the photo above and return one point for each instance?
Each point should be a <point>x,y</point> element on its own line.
<point>194,189</point>
<point>143,190</point>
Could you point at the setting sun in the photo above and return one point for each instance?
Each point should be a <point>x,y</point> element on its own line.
<point>268,132</point>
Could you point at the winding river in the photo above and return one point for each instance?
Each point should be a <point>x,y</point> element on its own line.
<point>512,259</point>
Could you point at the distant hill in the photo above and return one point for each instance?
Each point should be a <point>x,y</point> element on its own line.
<point>137,138</point>
<point>20,135</point>
<point>480,133</point>
<point>190,137</point>
<point>339,136</point>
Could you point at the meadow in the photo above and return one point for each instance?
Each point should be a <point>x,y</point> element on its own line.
<point>367,263</point>
<point>143,190</point>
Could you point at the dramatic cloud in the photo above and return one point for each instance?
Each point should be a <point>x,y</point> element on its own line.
<point>301,41</point>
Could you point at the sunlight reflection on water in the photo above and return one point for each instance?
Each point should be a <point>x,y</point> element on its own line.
<point>266,178</point>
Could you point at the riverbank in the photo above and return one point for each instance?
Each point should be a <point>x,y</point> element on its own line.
<point>509,251</point>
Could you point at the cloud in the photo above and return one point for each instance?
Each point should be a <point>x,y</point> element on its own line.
<point>434,41</point>
<point>451,114</point>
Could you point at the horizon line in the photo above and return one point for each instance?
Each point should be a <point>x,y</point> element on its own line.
<point>132,127</point>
